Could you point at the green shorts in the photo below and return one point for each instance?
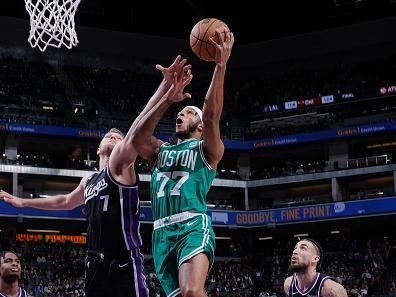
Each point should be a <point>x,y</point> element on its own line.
<point>176,242</point>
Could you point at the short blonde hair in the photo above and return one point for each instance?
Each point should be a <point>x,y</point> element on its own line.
<point>115,130</point>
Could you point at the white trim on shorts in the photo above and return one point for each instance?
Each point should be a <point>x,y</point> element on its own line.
<point>205,241</point>
<point>135,277</point>
<point>176,218</point>
<point>174,293</point>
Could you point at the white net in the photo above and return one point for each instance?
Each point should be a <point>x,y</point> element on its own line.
<point>52,23</point>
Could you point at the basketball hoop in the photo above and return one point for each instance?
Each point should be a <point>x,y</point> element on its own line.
<point>52,23</point>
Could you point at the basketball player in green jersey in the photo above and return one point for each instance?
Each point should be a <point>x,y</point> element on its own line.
<point>183,238</point>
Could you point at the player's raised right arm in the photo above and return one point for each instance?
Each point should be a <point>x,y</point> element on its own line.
<point>57,202</point>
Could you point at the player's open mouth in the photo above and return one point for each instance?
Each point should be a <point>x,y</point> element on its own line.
<point>14,270</point>
<point>179,121</point>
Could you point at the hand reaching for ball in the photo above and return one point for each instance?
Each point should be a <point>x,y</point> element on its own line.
<point>200,36</point>
<point>223,48</point>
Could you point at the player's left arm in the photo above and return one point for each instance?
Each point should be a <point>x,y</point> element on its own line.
<point>333,289</point>
<point>122,158</point>
<point>213,105</point>
<point>286,285</point>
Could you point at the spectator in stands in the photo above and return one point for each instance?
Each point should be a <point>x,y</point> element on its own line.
<point>392,289</point>
<point>306,257</point>
<point>59,272</point>
<point>10,274</point>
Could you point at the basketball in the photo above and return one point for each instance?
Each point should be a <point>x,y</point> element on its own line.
<point>199,37</point>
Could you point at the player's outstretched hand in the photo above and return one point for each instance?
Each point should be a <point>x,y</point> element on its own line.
<point>176,91</point>
<point>179,66</point>
<point>14,201</point>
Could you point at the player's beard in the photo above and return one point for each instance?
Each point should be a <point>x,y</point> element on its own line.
<point>185,134</point>
<point>11,278</point>
<point>182,134</point>
<point>300,267</point>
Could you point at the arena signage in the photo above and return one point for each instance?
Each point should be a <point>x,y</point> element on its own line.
<point>327,99</point>
<point>51,130</point>
<point>291,105</point>
<point>328,211</point>
<point>229,144</point>
<point>347,96</point>
<point>271,217</point>
<point>272,108</point>
<point>317,136</point>
<point>310,213</point>
<point>308,102</point>
<point>387,90</point>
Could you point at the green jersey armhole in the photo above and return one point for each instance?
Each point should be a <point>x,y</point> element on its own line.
<point>201,151</point>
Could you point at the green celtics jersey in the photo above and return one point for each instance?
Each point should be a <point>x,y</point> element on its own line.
<point>181,179</point>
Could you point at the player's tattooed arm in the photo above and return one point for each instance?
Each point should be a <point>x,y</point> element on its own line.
<point>286,285</point>
<point>333,289</point>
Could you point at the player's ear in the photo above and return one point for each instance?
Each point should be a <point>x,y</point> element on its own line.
<point>200,127</point>
<point>98,151</point>
<point>316,259</point>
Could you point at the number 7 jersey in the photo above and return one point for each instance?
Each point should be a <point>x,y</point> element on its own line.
<point>181,179</point>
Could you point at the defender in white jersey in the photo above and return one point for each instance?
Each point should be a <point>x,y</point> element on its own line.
<point>183,238</point>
